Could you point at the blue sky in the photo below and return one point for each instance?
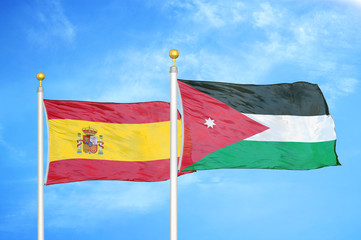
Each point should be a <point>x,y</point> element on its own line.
<point>117,51</point>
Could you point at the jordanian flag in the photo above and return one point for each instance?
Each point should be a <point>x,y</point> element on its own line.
<point>279,126</point>
<point>108,141</point>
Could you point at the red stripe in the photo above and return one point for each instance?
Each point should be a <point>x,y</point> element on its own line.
<point>146,112</point>
<point>200,140</point>
<point>75,170</point>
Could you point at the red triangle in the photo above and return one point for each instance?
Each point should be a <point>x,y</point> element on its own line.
<point>200,140</point>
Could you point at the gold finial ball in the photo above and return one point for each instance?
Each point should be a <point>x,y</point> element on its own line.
<point>40,76</point>
<point>173,53</point>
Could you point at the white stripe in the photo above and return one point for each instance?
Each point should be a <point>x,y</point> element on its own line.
<point>287,128</point>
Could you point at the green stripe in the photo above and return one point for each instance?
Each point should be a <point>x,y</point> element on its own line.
<point>270,155</point>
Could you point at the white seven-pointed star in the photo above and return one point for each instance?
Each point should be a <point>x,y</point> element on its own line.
<point>209,122</point>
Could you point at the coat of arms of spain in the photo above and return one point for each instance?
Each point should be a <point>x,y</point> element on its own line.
<point>90,141</point>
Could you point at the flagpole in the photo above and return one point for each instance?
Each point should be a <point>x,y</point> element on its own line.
<point>173,148</point>
<point>40,76</point>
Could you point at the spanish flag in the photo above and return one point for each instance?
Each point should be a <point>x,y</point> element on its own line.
<point>108,141</point>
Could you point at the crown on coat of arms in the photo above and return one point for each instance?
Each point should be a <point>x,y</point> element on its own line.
<point>89,131</point>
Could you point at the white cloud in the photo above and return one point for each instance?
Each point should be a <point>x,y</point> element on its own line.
<point>311,42</point>
<point>218,15</point>
<point>283,37</point>
<point>52,23</point>
<point>338,87</point>
<point>135,76</point>
<point>305,41</point>
<point>348,85</point>
<point>215,14</point>
<point>353,2</point>
<point>304,35</point>
<point>268,16</point>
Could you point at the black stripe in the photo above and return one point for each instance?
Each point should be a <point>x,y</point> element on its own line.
<point>300,98</point>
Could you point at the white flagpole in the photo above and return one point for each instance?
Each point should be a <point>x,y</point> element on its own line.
<point>173,148</point>
<point>40,76</point>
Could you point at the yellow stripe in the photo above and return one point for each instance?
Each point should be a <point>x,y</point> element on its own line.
<point>122,142</point>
